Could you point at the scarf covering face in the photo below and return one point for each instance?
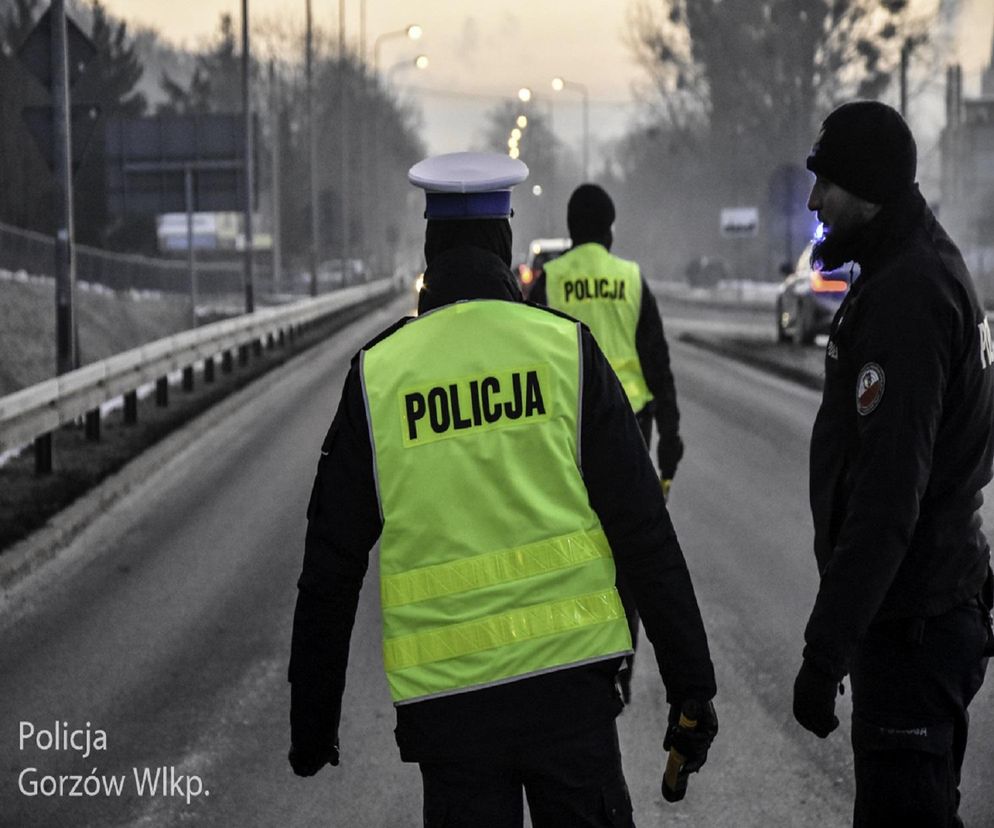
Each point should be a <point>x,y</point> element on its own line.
<point>467,259</point>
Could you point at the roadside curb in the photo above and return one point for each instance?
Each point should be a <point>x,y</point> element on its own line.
<point>739,350</point>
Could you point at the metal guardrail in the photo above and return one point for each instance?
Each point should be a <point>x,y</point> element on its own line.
<point>34,412</point>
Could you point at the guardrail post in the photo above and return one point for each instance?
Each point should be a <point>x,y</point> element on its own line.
<point>281,341</point>
<point>43,454</point>
<point>243,352</point>
<point>93,425</point>
<point>162,392</point>
<point>209,369</point>
<point>257,348</point>
<point>227,363</point>
<point>131,408</point>
<point>188,378</point>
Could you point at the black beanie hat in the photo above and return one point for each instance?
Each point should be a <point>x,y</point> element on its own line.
<point>865,147</point>
<point>589,213</point>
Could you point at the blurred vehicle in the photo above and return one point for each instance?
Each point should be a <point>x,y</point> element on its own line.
<point>540,251</point>
<point>706,271</point>
<point>808,299</point>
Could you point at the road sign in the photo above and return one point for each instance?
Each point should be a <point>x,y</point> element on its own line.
<point>739,222</point>
<point>36,51</point>
<point>84,121</point>
<point>148,160</point>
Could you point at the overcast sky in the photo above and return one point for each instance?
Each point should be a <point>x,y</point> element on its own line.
<point>481,51</point>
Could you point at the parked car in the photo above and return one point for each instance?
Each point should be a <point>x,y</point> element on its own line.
<point>808,299</point>
<point>540,251</point>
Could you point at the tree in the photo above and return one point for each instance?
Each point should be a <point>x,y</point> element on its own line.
<point>109,82</point>
<point>766,70</point>
<point>741,85</point>
<point>216,84</point>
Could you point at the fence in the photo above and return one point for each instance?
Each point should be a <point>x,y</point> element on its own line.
<point>34,253</point>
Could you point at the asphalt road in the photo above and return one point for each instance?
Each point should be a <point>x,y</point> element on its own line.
<point>166,627</point>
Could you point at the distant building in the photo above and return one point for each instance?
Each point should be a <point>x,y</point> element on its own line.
<point>967,208</point>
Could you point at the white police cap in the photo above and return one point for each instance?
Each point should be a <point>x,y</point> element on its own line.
<point>468,185</point>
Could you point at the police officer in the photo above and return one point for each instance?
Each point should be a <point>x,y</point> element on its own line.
<point>488,446</point>
<point>901,448</point>
<point>609,295</point>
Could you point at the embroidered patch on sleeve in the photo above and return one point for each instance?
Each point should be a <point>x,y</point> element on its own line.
<point>869,388</point>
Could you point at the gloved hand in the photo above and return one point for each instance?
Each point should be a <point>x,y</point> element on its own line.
<point>814,700</point>
<point>307,761</point>
<point>667,484</point>
<point>694,744</point>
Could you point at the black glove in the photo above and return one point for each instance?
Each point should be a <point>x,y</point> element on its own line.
<point>307,761</point>
<point>669,453</point>
<point>694,744</point>
<point>814,700</point>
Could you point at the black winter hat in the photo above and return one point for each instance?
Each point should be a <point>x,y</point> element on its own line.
<point>865,147</point>
<point>589,212</point>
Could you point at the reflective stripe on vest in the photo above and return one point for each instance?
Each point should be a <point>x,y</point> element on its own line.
<point>605,293</point>
<point>493,566</point>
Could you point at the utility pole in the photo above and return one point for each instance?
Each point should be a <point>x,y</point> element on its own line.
<point>249,154</point>
<point>312,138</point>
<point>66,357</point>
<point>277,122</point>
<point>343,136</point>
<point>905,59</point>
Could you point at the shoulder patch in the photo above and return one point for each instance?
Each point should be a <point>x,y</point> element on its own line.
<point>869,388</point>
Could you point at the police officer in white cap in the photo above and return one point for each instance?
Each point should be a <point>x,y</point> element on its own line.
<point>480,443</point>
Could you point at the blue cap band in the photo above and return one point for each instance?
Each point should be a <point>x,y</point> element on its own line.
<point>494,204</point>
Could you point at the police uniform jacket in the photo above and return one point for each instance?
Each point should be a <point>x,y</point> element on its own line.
<point>344,523</point>
<point>902,443</point>
<point>654,357</point>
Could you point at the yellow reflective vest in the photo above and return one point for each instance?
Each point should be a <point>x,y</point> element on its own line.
<point>605,293</point>
<point>493,566</point>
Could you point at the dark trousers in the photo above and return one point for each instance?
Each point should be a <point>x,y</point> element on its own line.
<point>912,681</point>
<point>572,782</point>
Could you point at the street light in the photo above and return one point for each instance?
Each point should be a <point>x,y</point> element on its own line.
<point>524,94</point>
<point>558,85</point>
<point>413,32</point>
<point>420,62</point>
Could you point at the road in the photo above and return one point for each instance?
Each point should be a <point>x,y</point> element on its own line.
<point>166,627</point>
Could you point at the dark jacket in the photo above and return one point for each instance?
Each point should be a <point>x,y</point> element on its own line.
<point>654,357</point>
<point>344,523</point>
<point>896,476</point>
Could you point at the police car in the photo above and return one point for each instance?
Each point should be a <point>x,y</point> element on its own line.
<point>808,299</point>
<point>540,251</point>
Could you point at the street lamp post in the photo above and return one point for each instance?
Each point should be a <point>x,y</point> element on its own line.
<point>414,32</point>
<point>249,153</point>
<point>420,62</point>
<point>312,141</point>
<point>558,84</point>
